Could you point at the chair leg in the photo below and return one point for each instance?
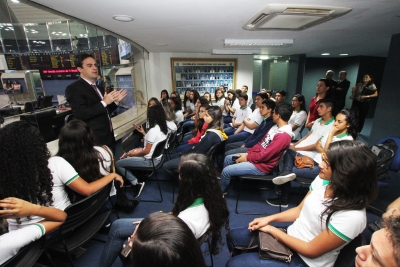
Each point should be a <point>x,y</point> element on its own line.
<point>159,190</point>
<point>67,251</point>
<point>113,208</point>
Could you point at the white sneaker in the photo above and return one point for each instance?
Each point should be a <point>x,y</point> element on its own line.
<point>138,189</point>
<point>284,178</point>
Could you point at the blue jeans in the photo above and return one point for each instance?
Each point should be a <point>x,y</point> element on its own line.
<point>288,163</point>
<point>241,237</point>
<point>171,165</point>
<point>227,119</point>
<point>120,230</point>
<point>121,165</point>
<point>229,130</point>
<point>236,169</point>
<point>188,125</point>
<point>187,137</point>
<point>237,137</point>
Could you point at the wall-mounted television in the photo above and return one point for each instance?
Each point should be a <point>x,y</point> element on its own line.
<point>124,49</point>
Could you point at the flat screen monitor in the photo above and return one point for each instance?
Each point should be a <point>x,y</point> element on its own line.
<point>124,49</point>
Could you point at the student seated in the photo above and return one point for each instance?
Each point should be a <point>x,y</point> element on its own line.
<point>299,116</point>
<point>141,156</point>
<point>176,105</point>
<point>33,175</point>
<point>330,216</point>
<point>261,158</point>
<point>249,124</point>
<point>213,135</point>
<point>231,104</point>
<point>239,116</point>
<point>170,117</point>
<point>384,248</point>
<point>93,162</point>
<point>344,128</point>
<point>199,204</point>
<point>266,109</point>
<point>26,232</point>
<point>163,240</point>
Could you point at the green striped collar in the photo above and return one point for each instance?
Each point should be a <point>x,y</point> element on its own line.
<point>342,135</point>
<point>243,108</point>
<point>328,122</point>
<point>197,202</point>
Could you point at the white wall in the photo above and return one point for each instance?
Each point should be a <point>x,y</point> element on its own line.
<point>160,70</point>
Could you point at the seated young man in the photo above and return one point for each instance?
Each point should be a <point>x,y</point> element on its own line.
<point>240,114</point>
<point>261,158</point>
<point>304,147</point>
<point>266,110</point>
<point>249,124</point>
<point>384,248</point>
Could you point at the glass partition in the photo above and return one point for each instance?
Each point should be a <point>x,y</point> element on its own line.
<point>41,55</point>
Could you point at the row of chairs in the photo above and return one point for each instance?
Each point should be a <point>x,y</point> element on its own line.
<point>82,223</point>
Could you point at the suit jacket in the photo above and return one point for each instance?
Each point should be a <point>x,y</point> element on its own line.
<point>340,95</point>
<point>86,106</point>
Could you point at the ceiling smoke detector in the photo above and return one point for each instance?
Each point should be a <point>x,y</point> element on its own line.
<point>292,17</point>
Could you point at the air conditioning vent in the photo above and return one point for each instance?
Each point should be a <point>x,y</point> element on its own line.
<point>292,17</point>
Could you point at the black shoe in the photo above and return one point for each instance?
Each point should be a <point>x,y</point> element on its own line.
<point>138,189</point>
<point>276,202</point>
<point>127,205</point>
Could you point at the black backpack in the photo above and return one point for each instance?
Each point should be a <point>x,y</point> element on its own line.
<point>384,153</point>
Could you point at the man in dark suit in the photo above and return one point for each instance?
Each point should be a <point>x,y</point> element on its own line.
<point>90,103</point>
<point>341,91</point>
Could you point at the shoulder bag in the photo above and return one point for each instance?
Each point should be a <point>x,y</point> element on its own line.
<point>303,162</point>
<point>112,166</point>
<point>270,248</point>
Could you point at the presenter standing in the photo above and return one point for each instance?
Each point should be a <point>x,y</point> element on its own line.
<point>90,103</point>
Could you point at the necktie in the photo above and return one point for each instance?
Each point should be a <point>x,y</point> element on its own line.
<point>99,95</point>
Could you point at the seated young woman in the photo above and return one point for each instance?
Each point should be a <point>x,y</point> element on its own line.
<point>190,122</point>
<point>213,135</point>
<point>330,216</point>
<point>170,117</point>
<point>345,128</point>
<point>199,204</point>
<point>163,240</point>
<point>192,139</point>
<point>141,157</point>
<point>76,145</point>
<point>23,234</point>
<point>28,172</point>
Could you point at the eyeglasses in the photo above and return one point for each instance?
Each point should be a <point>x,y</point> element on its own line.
<point>325,160</point>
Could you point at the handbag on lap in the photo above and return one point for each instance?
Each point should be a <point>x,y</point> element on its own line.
<point>270,248</point>
<point>303,162</point>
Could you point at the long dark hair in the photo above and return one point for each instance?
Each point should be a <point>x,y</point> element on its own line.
<point>196,96</point>
<point>76,138</point>
<point>352,121</point>
<point>216,114</point>
<point>353,180</point>
<point>200,122</point>
<point>23,164</point>
<point>207,93</point>
<point>156,115</point>
<point>215,94</point>
<point>301,99</point>
<point>177,101</point>
<point>185,98</point>
<point>164,240</point>
<point>166,92</point>
<point>199,179</point>
<point>370,82</point>
<point>153,99</point>
<point>231,101</point>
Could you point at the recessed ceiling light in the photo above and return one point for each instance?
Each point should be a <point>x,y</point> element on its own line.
<point>325,54</point>
<point>264,57</point>
<point>15,1</point>
<point>344,54</point>
<point>123,18</point>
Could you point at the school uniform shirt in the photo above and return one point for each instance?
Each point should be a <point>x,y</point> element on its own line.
<point>298,118</point>
<point>179,116</point>
<point>241,114</point>
<point>153,136</point>
<point>235,106</point>
<point>345,224</point>
<point>318,130</point>
<point>171,126</point>
<point>344,136</point>
<point>254,117</point>
<point>196,217</point>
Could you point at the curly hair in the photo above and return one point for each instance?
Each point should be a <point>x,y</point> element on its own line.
<point>199,179</point>
<point>23,164</point>
<point>353,180</point>
<point>392,224</point>
<point>156,115</point>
